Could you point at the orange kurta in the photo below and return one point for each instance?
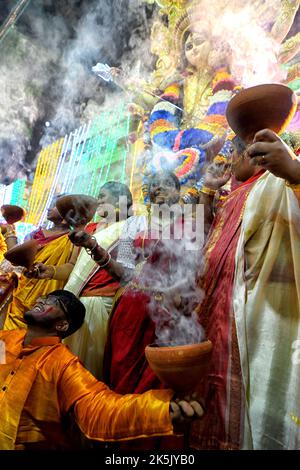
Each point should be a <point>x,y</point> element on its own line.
<point>42,382</point>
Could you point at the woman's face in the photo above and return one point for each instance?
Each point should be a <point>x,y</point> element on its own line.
<point>163,190</point>
<point>53,215</point>
<point>197,49</point>
<point>105,198</point>
<point>241,167</point>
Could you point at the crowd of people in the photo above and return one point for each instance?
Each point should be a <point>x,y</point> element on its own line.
<point>78,321</point>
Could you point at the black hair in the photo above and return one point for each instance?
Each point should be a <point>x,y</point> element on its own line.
<point>117,189</point>
<point>54,199</point>
<point>239,144</point>
<point>183,64</point>
<point>166,174</point>
<point>75,310</point>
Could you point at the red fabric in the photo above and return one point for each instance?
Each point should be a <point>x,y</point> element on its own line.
<point>91,228</point>
<point>126,369</point>
<point>39,236</point>
<point>222,390</point>
<point>131,329</point>
<point>101,283</point>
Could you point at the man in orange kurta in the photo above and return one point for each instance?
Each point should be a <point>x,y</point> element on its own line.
<point>42,381</point>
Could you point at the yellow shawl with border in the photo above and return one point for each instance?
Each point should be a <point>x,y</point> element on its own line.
<point>56,252</point>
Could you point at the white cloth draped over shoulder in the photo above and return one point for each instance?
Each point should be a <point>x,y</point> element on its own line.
<point>89,341</point>
<point>267,312</point>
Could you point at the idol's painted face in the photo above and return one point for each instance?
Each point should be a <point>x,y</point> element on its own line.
<point>197,49</point>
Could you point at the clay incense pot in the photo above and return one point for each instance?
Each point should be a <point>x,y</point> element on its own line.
<point>77,209</point>
<point>180,368</point>
<point>12,214</point>
<point>269,106</point>
<point>24,254</point>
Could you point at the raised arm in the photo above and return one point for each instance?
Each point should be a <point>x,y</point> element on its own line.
<point>270,152</point>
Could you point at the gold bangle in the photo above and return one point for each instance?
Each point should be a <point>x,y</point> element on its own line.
<point>54,271</point>
<point>10,236</point>
<point>105,262</point>
<point>208,191</point>
<point>295,187</point>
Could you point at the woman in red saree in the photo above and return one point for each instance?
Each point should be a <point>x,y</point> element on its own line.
<point>249,277</point>
<point>144,310</point>
<point>149,308</point>
<point>217,319</point>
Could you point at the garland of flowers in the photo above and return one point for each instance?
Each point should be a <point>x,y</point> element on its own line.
<point>35,191</point>
<point>108,151</point>
<point>72,142</point>
<point>18,190</point>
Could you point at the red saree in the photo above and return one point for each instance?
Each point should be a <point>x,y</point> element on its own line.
<point>131,329</point>
<point>222,390</point>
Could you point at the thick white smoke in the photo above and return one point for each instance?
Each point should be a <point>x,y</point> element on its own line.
<point>45,67</point>
<point>246,28</point>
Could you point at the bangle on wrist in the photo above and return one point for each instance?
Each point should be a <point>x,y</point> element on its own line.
<point>90,250</point>
<point>54,271</point>
<point>10,236</point>
<point>208,191</point>
<point>102,262</point>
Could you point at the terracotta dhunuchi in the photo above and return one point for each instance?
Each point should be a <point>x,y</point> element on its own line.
<point>180,367</point>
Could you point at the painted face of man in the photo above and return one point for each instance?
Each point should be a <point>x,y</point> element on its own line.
<point>48,312</point>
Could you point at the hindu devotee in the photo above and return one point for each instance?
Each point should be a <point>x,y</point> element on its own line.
<point>252,389</point>
<point>91,282</point>
<point>119,329</point>
<point>151,262</point>
<point>9,274</point>
<point>42,381</point>
<point>157,271</point>
<point>54,247</point>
